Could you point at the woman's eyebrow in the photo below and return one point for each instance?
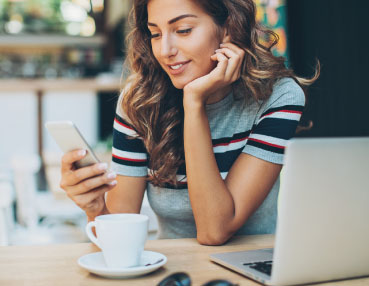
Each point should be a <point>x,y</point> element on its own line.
<point>174,19</point>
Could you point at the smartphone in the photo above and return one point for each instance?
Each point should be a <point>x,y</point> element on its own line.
<point>68,138</point>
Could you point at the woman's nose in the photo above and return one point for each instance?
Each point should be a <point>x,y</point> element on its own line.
<point>168,47</point>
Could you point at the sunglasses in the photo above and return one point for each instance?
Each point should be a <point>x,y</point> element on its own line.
<point>183,279</point>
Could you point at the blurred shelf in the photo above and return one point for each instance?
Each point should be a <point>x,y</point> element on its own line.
<point>110,84</point>
<point>49,40</point>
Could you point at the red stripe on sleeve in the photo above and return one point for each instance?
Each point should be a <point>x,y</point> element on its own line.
<point>129,159</point>
<point>124,125</point>
<point>267,143</point>
<point>286,111</point>
<point>228,143</point>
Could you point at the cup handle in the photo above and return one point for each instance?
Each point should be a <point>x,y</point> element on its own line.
<point>90,234</point>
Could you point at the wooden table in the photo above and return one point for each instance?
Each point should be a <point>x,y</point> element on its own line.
<point>57,264</point>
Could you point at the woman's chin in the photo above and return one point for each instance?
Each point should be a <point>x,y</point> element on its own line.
<point>180,84</point>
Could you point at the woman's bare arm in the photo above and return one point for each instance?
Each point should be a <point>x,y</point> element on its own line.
<point>127,196</point>
<point>221,207</point>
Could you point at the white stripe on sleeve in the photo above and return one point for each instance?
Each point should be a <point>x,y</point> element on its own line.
<point>282,115</point>
<point>269,139</point>
<point>129,155</point>
<point>124,130</point>
<point>230,147</point>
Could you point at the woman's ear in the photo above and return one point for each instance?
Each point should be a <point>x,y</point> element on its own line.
<point>226,38</point>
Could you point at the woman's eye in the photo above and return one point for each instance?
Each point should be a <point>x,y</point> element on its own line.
<point>186,31</point>
<point>152,36</point>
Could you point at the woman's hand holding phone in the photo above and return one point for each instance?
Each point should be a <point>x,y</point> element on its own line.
<point>86,186</point>
<point>228,70</point>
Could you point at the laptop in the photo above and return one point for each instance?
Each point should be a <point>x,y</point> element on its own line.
<point>323,217</point>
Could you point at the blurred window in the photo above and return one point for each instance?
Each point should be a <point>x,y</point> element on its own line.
<point>71,17</point>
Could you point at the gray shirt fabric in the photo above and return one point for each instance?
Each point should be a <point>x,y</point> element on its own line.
<point>268,125</point>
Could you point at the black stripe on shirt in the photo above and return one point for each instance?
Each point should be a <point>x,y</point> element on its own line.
<point>276,127</point>
<point>225,160</point>
<point>227,140</point>
<point>265,146</point>
<point>124,142</point>
<point>180,186</point>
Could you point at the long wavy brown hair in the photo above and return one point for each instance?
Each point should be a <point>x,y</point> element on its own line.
<point>155,108</point>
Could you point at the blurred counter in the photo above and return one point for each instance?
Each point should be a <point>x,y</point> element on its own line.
<point>98,84</point>
<point>28,103</point>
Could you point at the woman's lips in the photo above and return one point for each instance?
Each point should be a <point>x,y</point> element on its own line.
<point>177,68</point>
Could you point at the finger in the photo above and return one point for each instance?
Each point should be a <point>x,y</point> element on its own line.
<point>227,52</point>
<point>221,68</point>
<point>70,157</point>
<point>93,183</point>
<point>234,48</point>
<point>239,51</point>
<point>234,64</point>
<point>81,174</point>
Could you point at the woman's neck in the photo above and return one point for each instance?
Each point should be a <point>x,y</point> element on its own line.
<point>219,95</point>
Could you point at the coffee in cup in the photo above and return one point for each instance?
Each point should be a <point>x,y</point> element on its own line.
<point>121,237</point>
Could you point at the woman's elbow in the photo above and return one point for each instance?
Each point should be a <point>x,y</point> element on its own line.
<point>212,239</point>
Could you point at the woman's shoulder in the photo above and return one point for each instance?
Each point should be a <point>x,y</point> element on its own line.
<point>286,91</point>
<point>120,113</point>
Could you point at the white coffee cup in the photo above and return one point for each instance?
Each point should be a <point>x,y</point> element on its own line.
<point>121,237</point>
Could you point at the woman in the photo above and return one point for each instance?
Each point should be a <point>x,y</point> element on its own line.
<point>201,124</point>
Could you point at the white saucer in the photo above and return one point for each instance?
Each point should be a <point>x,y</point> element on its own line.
<point>95,263</point>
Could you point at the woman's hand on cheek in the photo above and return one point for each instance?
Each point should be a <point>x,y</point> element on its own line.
<point>227,71</point>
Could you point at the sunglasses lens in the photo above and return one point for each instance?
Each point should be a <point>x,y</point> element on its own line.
<point>176,279</point>
<point>219,283</point>
<point>171,283</point>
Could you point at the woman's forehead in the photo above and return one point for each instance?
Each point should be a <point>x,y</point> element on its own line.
<point>159,10</point>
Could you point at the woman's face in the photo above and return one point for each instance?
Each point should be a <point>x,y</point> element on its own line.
<point>183,39</point>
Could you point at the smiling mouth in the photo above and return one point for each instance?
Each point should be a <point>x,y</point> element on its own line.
<point>177,68</point>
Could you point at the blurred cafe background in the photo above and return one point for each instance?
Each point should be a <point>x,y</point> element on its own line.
<point>63,60</point>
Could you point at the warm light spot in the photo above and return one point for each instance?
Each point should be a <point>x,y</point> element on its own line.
<point>88,28</point>
<point>98,6</point>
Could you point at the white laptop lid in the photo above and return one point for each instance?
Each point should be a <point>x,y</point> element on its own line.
<point>323,220</point>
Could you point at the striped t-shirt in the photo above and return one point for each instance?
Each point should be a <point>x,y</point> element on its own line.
<point>258,128</point>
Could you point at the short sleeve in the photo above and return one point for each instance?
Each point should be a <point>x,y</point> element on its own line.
<point>276,122</point>
<point>129,155</point>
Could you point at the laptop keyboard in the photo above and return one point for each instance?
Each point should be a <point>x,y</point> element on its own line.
<point>263,266</point>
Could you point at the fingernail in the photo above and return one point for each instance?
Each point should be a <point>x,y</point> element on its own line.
<point>217,50</point>
<point>102,166</point>
<point>222,45</point>
<point>81,152</point>
<point>113,183</point>
<point>111,175</point>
